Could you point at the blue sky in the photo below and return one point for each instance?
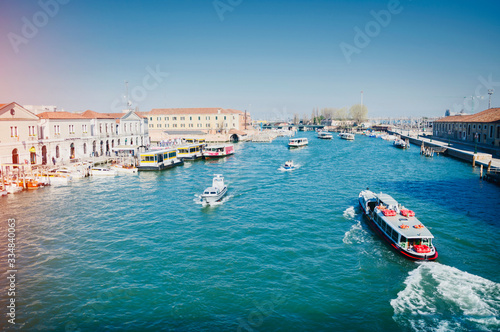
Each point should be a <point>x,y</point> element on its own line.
<point>273,58</point>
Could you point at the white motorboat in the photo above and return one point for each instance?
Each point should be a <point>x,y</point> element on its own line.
<point>297,142</point>
<point>347,136</point>
<point>216,191</point>
<point>288,166</point>
<point>102,171</point>
<point>324,135</point>
<point>124,169</point>
<point>399,143</point>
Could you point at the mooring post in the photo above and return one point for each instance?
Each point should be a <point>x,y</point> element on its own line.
<point>489,166</point>
<point>481,172</point>
<point>474,161</point>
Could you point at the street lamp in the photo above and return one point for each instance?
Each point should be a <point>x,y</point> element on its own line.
<point>476,136</point>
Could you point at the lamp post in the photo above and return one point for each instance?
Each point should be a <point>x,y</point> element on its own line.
<point>475,143</point>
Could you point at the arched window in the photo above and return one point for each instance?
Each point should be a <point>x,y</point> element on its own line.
<point>57,151</point>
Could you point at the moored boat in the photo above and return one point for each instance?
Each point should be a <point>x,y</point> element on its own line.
<point>124,169</point>
<point>157,160</point>
<point>215,151</point>
<point>347,136</point>
<point>297,142</point>
<point>190,151</point>
<point>399,143</point>
<point>397,226</point>
<point>216,192</point>
<point>102,171</point>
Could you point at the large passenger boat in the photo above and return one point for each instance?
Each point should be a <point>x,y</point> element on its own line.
<point>347,136</point>
<point>297,142</point>
<point>215,151</point>
<point>398,226</point>
<point>190,151</point>
<point>324,135</point>
<point>156,160</point>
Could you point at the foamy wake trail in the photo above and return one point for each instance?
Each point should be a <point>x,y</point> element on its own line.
<point>349,213</point>
<point>356,234</point>
<point>442,298</point>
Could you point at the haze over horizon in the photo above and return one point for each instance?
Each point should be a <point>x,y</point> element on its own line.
<point>274,59</point>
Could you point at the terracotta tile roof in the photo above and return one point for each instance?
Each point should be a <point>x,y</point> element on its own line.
<point>96,115</point>
<point>142,114</point>
<point>206,110</point>
<point>490,115</point>
<point>60,115</point>
<point>2,105</point>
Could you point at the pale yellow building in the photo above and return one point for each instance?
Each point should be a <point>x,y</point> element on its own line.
<point>208,120</point>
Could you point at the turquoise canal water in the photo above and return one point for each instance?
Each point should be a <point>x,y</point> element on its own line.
<point>285,251</point>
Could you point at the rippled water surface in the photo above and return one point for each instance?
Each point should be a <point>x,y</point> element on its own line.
<point>285,251</point>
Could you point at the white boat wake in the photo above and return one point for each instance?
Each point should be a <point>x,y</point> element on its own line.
<point>356,234</point>
<point>443,298</point>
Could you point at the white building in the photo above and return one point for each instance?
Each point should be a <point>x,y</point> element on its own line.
<point>18,135</point>
<point>57,137</point>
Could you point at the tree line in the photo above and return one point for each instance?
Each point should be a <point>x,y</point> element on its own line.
<point>357,113</point>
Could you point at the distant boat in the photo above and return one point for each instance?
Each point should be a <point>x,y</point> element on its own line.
<point>289,165</point>
<point>324,135</point>
<point>216,192</point>
<point>347,136</point>
<point>397,226</point>
<point>297,142</point>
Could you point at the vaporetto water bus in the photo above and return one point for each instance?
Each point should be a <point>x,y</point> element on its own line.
<point>347,136</point>
<point>190,151</point>
<point>156,160</point>
<point>297,142</point>
<point>215,151</point>
<point>398,226</point>
<point>324,135</point>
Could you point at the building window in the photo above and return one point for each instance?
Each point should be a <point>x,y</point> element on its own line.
<point>208,125</point>
<point>224,117</point>
<point>71,129</point>
<point>183,125</point>
<point>199,118</point>
<point>183,118</point>
<point>491,131</point>
<point>84,129</point>
<point>57,130</point>
<point>158,125</point>
<point>166,126</point>
<point>174,118</point>
<point>216,117</point>
<point>190,118</point>
<point>166,118</point>
<point>207,118</point>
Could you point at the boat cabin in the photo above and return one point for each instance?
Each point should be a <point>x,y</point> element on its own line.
<point>190,151</point>
<point>158,159</point>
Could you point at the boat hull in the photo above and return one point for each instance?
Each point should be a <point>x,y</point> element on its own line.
<point>209,199</point>
<point>160,167</point>
<point>373,225</point>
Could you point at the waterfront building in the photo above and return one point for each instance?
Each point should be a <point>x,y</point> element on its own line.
<point>203,120</point>
<point>57,137</point>
<point>18,134</point>
<point>482,127</point>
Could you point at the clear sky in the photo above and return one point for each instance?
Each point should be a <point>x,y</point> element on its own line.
<point>273,58</point>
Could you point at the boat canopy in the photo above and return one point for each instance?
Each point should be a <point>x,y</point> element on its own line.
<point>387,200</point>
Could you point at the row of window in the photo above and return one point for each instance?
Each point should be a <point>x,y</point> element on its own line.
<point>388,229</point>
<point>189,125</point>
<point>183,118</point>
<point>448,127</point>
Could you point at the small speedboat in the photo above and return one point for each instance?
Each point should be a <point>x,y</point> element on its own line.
<point>289,165</point>
<point>216,192</point>
<point>347,136</point>
<point>399,143</point>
